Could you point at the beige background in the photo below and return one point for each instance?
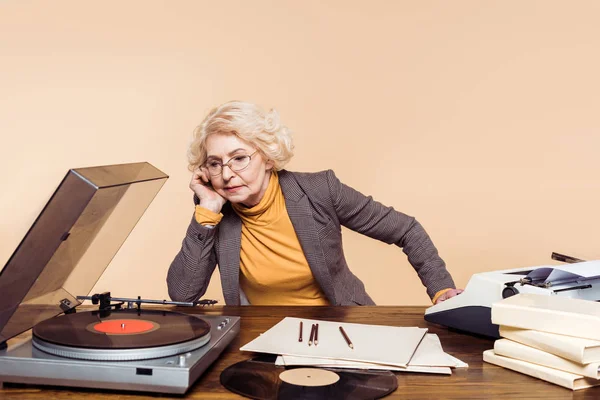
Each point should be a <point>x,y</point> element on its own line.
<point>480,118</point>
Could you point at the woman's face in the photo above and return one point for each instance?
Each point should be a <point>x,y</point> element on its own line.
<point>247,186</point>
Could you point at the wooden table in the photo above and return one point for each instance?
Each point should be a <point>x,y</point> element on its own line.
<point>479,381</point>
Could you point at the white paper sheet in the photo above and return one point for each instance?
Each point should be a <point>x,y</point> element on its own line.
<point>378,344</point>
<point>430,354</point>
<point>459,363</point>
<point>328,363</point>
<point>428,358</point>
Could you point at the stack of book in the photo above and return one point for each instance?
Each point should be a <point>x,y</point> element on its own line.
<point>553,338</point>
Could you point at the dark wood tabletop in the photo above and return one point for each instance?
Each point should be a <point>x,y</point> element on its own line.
<point>479,381</point>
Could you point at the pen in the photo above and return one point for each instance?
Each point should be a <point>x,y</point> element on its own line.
<point>300,336</point>
<point>312,335</point>
<point>346,338</point>
<point>316,338</point>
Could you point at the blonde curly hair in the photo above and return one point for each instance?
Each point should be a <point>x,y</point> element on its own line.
<point>263,130</point>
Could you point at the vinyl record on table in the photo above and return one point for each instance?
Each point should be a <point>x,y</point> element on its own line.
<point>258,379</point>
<point>121,329</point>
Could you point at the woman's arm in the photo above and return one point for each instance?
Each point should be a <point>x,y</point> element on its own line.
<point>192,268</point>
<point>364,215</point>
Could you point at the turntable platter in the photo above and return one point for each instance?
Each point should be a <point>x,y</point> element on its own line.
<point>122,335</point>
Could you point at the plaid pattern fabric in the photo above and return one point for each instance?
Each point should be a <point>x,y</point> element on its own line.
<point>318,204</point>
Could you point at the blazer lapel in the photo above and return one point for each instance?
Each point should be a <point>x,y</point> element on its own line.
<point>230,237</point>
<point>300,213</point>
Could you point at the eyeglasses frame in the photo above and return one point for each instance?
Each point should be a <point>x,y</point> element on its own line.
<point>223,165</point>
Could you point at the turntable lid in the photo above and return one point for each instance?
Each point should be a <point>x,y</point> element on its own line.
<point>72,241</point>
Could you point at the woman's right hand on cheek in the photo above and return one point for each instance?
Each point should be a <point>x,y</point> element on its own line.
<point>209,198</point>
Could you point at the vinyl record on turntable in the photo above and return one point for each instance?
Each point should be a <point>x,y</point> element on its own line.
<point>121,335</point>
<point>262,379</point>
<point>88,329</point>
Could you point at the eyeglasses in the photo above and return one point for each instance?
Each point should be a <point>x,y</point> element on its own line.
<point>236,164</point>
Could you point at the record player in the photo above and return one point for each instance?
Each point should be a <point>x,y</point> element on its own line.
<point>121,345</point>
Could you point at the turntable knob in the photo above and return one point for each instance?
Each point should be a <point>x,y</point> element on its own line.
<point>223,323</point>
<point>182,361</point>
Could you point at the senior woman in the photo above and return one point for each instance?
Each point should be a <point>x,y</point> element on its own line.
<point>276,234</point>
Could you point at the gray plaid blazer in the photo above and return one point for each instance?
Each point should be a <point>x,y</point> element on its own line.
<point>318,205</point>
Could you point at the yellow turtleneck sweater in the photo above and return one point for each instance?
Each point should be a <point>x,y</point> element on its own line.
<point>274,270</point>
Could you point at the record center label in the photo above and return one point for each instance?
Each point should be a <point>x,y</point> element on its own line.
<point>124,326</point>
<point>309,377</point>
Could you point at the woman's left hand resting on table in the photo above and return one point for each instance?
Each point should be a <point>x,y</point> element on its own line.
<point>446,295</point>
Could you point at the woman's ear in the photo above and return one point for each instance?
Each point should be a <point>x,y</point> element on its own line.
<point>269,165</point>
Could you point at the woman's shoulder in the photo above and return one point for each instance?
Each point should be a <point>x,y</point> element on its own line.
<point>315,184</point>
<point>308,177</point>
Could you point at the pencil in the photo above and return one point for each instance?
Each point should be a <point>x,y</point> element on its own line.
<point>346,338</point>
<point>316,339</point>
<point>312,335</point>
<point>300,336</point>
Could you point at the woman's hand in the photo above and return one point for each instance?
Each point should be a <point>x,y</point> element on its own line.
<point>448,294</point>
<point>209,198</point>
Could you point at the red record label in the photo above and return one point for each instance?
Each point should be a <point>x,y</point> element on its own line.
<point>124,326</point>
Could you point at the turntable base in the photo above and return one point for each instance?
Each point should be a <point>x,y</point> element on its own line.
<point>23,363</point>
